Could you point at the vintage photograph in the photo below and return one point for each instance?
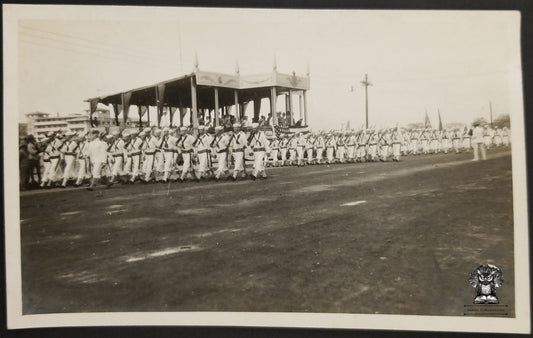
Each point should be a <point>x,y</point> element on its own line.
<point>210,161</point>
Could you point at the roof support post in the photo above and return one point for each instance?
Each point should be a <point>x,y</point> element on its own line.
<point>273,97</point>
<point>237,115</point>
<point>159,100</point>
<point>291,107</point>
<point>125,98</point>
<point>92,108</point>
<point>216,107</point>
<point>306,110</point>
<point>194,109</point>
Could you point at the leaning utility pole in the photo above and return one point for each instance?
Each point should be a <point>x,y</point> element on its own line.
<point>365,83</point>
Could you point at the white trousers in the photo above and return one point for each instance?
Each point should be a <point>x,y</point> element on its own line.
<point>329,154</point>
<point>350,152</point>
<point>117,166</point>
<point>238,159</point>
<point>148,165</point>
<point>222,164</point>
<point>203,165</point>
<point>259,161</point>
<point>82,170</point>
<point>69,168</point>
<point>187,165</point>
<point>96,169</point>
<point>319,154</point>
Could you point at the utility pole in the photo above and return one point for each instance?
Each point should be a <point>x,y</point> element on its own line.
<point>365,83</point>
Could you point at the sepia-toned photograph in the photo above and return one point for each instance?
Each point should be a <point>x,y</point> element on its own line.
<point>265,167</point>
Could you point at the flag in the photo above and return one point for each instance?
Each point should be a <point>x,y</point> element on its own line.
<point>440,122</point>
<point>281,129</point>
<point>427,122</point>
<point>348,125</point>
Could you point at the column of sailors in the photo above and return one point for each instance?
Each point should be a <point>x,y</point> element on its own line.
<point>376,145</point>
<point>150,155</point>
<point>179,154</point>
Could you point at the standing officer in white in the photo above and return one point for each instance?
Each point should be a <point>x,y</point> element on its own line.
<point>237,144</point>
<point>260,145</point>
<point>478,143</point>
<point>97,152</point>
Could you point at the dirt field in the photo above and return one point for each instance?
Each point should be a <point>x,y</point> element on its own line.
<point>399,238</point>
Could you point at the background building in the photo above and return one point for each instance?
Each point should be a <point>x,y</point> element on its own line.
<point>40,123</point>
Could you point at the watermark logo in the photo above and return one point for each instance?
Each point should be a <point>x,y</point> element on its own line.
<point>485,279</point>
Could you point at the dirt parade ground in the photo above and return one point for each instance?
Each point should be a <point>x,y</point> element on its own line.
<point>395,238</point>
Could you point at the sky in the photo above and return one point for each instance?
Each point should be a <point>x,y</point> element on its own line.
<point>417,61</point>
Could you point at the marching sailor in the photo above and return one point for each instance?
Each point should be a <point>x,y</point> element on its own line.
<point>301,143</point>
<point>237,144</point>
<point>220,145</point>
<point>283,145</point>
<point>68,149</point>
<point>168,148</point>
<point>274,146</point>
<point>185,145</point>
<point>82,158</point>
<point>116,150</point>
<point>350,146</point>
<point>309,145</point>
<point>149,148</point>
<point>134,153</point>
<point>319,145</point>
<point>293,145</point>
<point>203,151</point>
<point>331,144</point>
<point>340,147</point>
<point>260,146</point>
<point>397,141</point>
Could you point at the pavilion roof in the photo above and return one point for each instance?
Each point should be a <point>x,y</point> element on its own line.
<point>177,91</point>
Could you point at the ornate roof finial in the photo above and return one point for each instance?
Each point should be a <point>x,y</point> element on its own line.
<point>275,64</point>
<point>196,64</point>
<point>237,70</point>
<point>307,71</point>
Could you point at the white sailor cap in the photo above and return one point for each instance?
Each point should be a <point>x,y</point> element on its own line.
<point>255,125</point>
<point>166,129</point>
<point>108,137</point>
<point>70,133</point>
<point>147,130</point>
<point>202,127</point>
<point>142,133</point>
<point>115,133</point>
<point>183,128</point>
<point>157,131</point>
<point>236,125</point>
<point>134,132</point>
<point>218,128</point>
